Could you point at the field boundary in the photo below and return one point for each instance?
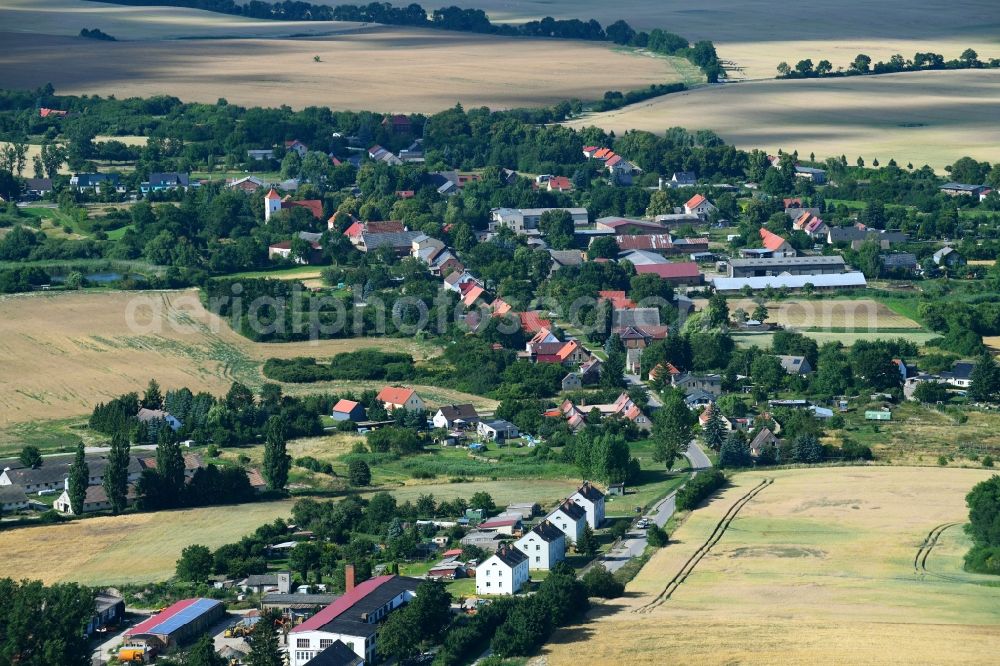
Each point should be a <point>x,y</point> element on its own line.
<point>714,538</point>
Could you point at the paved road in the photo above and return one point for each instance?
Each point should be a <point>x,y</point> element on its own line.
<point>636,380</point>
<point>634,542</point>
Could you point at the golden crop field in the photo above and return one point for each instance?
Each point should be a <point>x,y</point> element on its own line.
<point>144,547</point>
<point>361,66</point>
<point>67,17</point>
<point>861,313</point>
<point>759,34</point>
<point>818,568</point>
<point>62,353</point>
<point>922,117</point>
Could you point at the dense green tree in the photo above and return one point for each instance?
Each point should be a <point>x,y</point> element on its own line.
<point>41,626</point>
<point>170,462</point>
<point>735,451</point>
<point>587,543</point>
<point>602,583</point>
<point>153,397</point>
<point>358,473</point>
<point>30,456</point>
<point>672,429</point>
<point>557,227</point>
<point>195,564</point>
<point>276,462</point>
<point>931,392</point>
<point>807,449</point>
<point>482,500</point>
<point>985,380</point>
<point>79,479</point>
<point>305,557</point>
<point>767,372</point>
<point>116,473</point>
<point>265,643</point>
<point>714,430</point>
<point>984,512</point>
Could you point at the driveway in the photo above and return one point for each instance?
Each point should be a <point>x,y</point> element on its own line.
<point>634,542</point>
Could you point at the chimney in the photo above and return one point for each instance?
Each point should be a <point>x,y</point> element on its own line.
<point>348,578</point>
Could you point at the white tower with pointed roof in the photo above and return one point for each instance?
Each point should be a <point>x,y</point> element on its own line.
<point>272,204</point>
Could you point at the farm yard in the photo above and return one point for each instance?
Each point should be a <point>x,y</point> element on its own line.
<point>922,117</point>
<point>144,547</point>
<point>61,353</point>
<point>808,570</point>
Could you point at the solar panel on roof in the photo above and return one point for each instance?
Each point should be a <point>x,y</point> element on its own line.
<point>183,616</point>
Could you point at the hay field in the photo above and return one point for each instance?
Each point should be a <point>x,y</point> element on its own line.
<point>758,34</point>
<point>61,353</point>
<point>817,569</point>
<point>379,68</point>
<point>922,117</point>
<point>145,547</point>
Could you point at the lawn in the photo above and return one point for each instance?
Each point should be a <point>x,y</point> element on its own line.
<point>808,568</point>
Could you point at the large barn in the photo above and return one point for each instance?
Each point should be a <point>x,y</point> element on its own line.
<point>176,624</point>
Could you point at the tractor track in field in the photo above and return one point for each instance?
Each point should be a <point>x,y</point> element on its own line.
<point>714,538</point>
<point>920,559</point>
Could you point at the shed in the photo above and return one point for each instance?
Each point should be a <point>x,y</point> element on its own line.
<point>878,415</point>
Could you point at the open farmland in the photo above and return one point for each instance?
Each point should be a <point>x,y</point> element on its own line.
<point>61,353</point>
<point>361,67</point>
<point>817,569</point>
<point>921,117</point>
<point>145,547</point>
<point>752,35</point>
<point>66,18</point>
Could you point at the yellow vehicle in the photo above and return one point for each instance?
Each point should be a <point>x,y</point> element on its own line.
<point>236,631</point>
<point>132,655</point>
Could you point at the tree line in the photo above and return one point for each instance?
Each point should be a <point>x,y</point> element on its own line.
<point>862,65</point>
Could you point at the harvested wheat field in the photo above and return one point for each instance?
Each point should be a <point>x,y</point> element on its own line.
<point>752,35</point>
<point>818,568</point>
<point>144,547</point>
<point>921,117</point>
<point>62,353</point>
<point>359,70</point>
<point>67,17</point>
<point>861,313</point>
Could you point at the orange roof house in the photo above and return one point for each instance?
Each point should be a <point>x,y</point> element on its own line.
<point>773,241</point>
<point>399,397</point>
<point>695,201</point>
<point>618,299</point>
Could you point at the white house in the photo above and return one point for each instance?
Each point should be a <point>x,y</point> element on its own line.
<point>497,430</point>
<point>504,573</point>
<point>699,205</point>
<point>591,500</point>
<point>455,416</point>
<point>400,397</point>
<point>351,619</point>
<point>545,546</point>
<point>570,519</point>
